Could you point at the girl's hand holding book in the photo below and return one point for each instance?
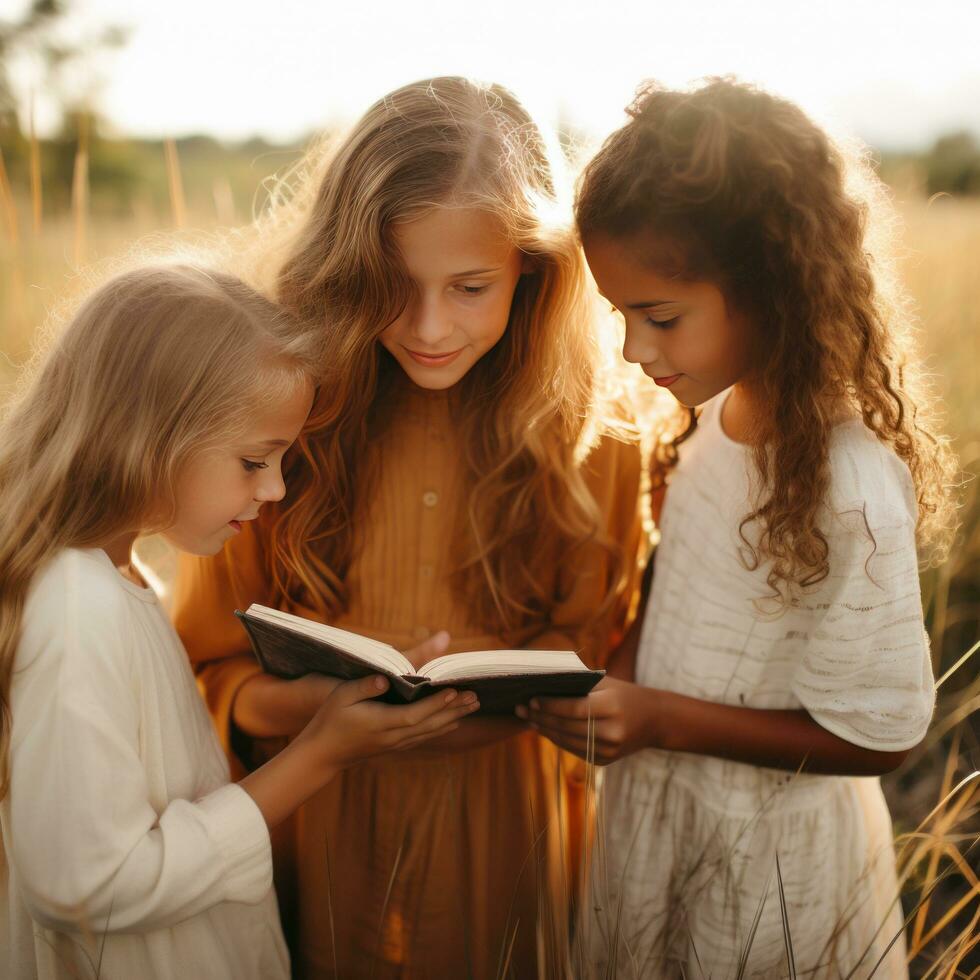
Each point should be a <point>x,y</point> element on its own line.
<point>435,646</point>
<point>267,706</point>
<point>617,717</point>
<point>350,727</point>
<point>625,718</point>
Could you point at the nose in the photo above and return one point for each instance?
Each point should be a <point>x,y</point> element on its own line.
<point>431,321</point>
<point>271,486</point>
<point>639,346</point>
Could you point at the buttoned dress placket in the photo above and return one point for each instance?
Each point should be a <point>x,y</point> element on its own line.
<point>431,518</point>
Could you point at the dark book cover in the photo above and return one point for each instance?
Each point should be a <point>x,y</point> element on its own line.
<point>289,654</point>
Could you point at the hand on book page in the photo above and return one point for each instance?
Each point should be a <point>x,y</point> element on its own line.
<point>435,646</point>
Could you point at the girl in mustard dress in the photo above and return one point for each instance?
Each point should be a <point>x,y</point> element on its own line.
<point>456,489</point>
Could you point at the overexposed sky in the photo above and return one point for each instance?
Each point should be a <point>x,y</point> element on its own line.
<point>896,73</point>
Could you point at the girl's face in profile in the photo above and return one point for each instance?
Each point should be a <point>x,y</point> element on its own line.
<point>682,333</point>
<point>222,489</point>
<point>464,271</point>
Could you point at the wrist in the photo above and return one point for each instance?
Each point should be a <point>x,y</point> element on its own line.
<point>658,726</point>
<point>318,760</point>
<point>268,707</point>
<point>303,697</point>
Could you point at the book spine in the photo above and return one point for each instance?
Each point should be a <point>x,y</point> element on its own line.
<point>256,646</point>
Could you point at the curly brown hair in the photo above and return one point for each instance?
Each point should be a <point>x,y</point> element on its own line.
<point>729,184</point>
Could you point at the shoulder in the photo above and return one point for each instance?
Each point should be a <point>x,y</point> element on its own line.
<point>612,456</point>
<point>613,474</point>
<point>75,576</point>
<point>868,477</point>
<point>75,599</point>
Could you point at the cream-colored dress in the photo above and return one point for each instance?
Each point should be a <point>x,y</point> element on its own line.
<point>126,854</point>
<point>425,864</point>
<point>691,842</point>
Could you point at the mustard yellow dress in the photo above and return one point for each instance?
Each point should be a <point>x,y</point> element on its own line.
<point>426,864</point>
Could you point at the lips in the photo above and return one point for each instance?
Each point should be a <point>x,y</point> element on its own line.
<point>433,360</point>
<point>666,381</point>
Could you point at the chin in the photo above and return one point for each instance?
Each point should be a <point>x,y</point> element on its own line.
<point>692,396</point>
<point>202,549</point>
<point>688,402</point>
<point>206,550</point>
<point>435,379</point>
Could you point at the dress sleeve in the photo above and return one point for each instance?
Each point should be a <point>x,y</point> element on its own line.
<point>89,849</point>
<point>206,594</point>
<point>578,622</point>
<point>866,674</point>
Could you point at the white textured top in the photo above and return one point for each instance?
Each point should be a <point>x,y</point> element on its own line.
<point>692,840</point>
<point>852,651</point>
<point>128,853</point>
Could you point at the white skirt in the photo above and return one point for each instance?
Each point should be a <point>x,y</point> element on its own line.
<point>683,879</point>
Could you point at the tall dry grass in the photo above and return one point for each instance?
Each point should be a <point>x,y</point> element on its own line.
<point>935,796</point>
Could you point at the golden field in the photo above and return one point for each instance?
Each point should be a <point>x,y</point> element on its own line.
<point>935,816</point>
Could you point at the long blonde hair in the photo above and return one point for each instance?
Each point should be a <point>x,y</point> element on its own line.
<point>732,185</point>
<point>527,410</point>
<point>158,365</point>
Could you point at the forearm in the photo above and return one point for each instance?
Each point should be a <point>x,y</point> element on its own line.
<point>269,707</point>
<point>778,739</point>
<point>286,782</point>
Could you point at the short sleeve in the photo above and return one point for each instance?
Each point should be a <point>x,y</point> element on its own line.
<point>866,673</point>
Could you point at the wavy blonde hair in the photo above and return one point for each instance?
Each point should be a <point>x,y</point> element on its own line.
<point>732,185</point>
<point>158,366</point>
<point>528,410</point>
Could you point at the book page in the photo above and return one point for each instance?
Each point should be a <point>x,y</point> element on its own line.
<point>373,652</point>
<point>494,663</point>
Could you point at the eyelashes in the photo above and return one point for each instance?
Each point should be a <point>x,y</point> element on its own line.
<point>659,324</point>
<point>250,465</point>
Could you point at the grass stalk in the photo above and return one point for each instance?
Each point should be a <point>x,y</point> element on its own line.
<point>384,906</point>
<point>7,204</point>
<point>175,184</point>
<point>947,783</point>
<point>37,204</point>
<point>79,192</point>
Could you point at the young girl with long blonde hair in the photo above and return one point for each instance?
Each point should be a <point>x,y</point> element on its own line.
<point>451,493</point>
<point>783,663</point>
<point>165,406</point>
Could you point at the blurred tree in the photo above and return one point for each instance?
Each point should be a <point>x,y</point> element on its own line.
<point>953,165</point>
<point>38,34</point>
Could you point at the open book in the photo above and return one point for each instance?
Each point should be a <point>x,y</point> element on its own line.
<point>290,646</point>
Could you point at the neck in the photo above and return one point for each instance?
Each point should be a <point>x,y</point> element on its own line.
<point>739,417</point>
<point>120,548</point>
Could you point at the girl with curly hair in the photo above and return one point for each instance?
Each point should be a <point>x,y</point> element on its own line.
<point>454,479</point>
<point>782,664</point>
